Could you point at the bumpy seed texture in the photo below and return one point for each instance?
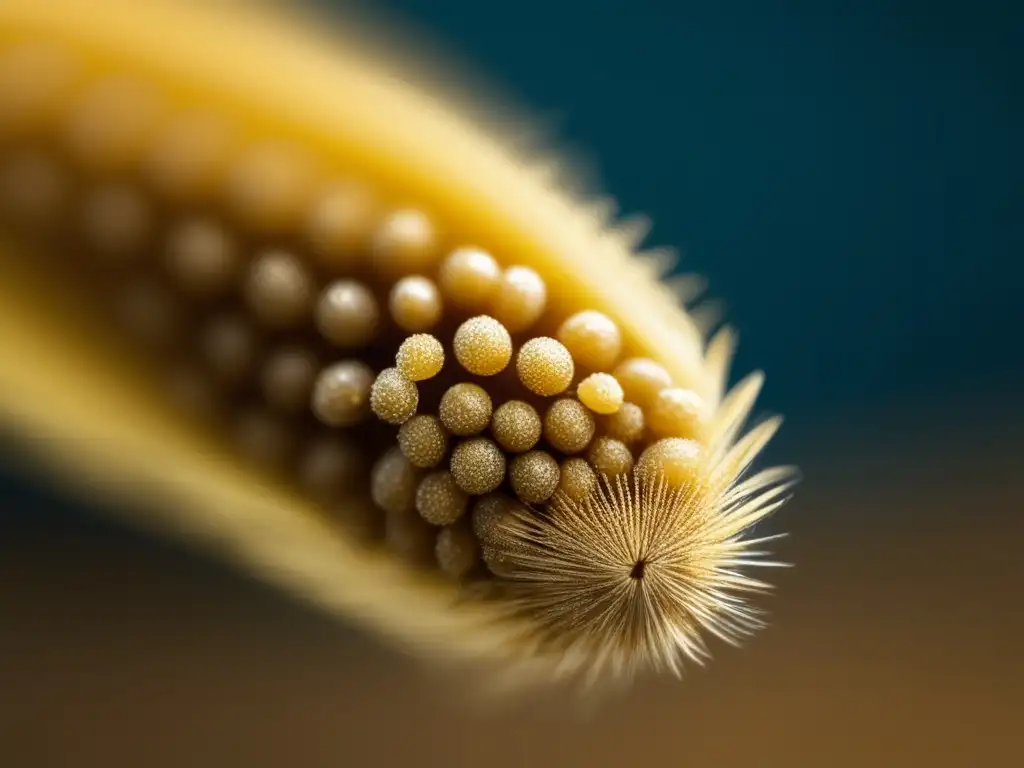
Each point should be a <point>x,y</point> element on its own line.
<point>420,357</point>
<point>520,298</point>
<point>490,516</point>
<point>678,412</point>
<point>423,440</point>
<point>202,258</point>
<point>279,290</point>
<point>341,393</point>
<point>287,379</point>
<point>468,278</point>
<point>593,338</point>
<point>568,425</point>
<point>601,393</point>
<point>404,244</point>
<point>641,380</point>
<point>478,465</point>
<point>347,314</point>
<point>393,482</point>
<point>545,366</point>
<point>534,476</point>
<point>626,424</point>
<point>483,346</point>
<point>456,550</point>
<point>393,398</point>
<point>610,457</point>
<point>439,499</point>
<point>676,459</point>
<point>516,426</point>
<point>415,304</point>
<point>577,478</point>
<point>465,409</point>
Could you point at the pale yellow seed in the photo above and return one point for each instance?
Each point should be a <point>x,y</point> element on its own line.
<point>202,259</point>
<point>393,482</point>
<point>393,397</point>
<point>678,412</point>
<point>347,314</point>
<point>601,393</point>
<point>339,226</point>
<point>516,426</point>
<point>593,338</point>
<point>465,409</point>
<point>189,157</point>
<point>420,357</point>
<point>678,460</point>
<point>483,346</point>
<point>610,457</point>
<point>577,478</point>
<point>279,290</point>
<point>341,393</point>
<point>405,243</point>
<point>423,440</point>
<point>568,425</point>
<point>439,499</point>
<point>641,380</point>
<point>478,465</point>
<point>269,186</point>
<point>468,278</point>
<point>117,220</point>
<point>415,304</point>
<point>456,550</point>
<point>287,379</point>
<point>626,424</point>
<point>544,366</point>
<point>520,298</point>
<point>534,476</point>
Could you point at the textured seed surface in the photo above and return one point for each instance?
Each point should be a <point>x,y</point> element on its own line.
<point>465,409</point>
<point>534,476</point>
<point>420,357</point>
<point>593,339</point>
<point>424,441</point>
<point>610,457</point>
<point>439,499</point>
<point>483,346</point>
<point>601,393</point>
<point>677,412</point>
<point>568,425</point>
<point>545,366</point>
<point>478,465</point>
<point>393,398</point>
<point>626,424</point>
<point>577,478</point>
<point>677,459</point>
<point>516,426</point>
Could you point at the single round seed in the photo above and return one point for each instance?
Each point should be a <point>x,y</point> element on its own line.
<point>626,424</point>
<point>490,514</point>
<point>393,397</point>
<point>423,440</point>
<point>577,479</point>
<point>519,299</point>
<point>516,426</point>
<point>456,550</point>
<point>415,304</point>
<point>678,460</point>
<point>545,366</point>
<point>189,156</point>
<point>347,314</point>
<point>150,313</point>
<point>202,258</point>
<point>610,457</point>
<point>393,482</point>
<point>339,226</point>
<point>230,347</point>
<point>33,187</point>
<point>593,338</point>
<point>410,537</point>
<point>465,409</point>
<point>601,393</point>
<point>478,465</point>
<point>568,425</point>
<point>468,278</point>
<point>264,438</point>
<point>404,244</point>
<point>34,79</point>
<point>269,186</point>
<point>678,412</point>
<point>483,346</point>
<point>331,467</point>
<point>420,357</point>
<point>341,393</point>
<point>534,476</point>
<point>108,128</point>
<point>439,499</point>
<point>117,220</point>
<point>641,380</point>
<point>287,379</point>
<point>279,290</point>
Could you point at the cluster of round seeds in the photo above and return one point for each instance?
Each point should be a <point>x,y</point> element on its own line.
<point>276,295</point>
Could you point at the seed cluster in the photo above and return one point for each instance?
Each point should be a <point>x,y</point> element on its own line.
<point>343,341</point>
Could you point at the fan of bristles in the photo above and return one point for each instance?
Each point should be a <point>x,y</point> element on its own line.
<point>507,443</point>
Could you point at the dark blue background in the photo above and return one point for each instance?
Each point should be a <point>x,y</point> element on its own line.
<point>848,174</point>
